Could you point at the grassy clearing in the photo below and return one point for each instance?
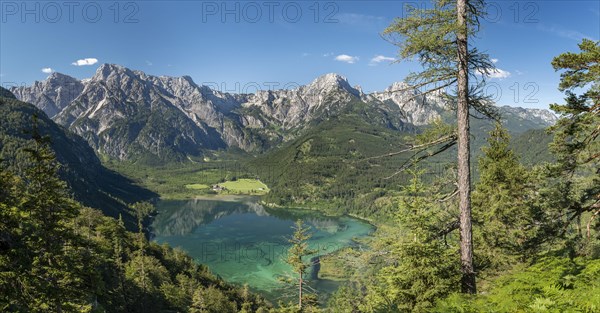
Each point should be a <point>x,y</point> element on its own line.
<point>245,186</point>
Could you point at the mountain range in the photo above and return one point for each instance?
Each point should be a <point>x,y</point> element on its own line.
<point>128,115</point>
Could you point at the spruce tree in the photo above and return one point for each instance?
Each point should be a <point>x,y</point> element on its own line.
<point>502,213</point>
<point>297,254</point>
<point>422,266</point>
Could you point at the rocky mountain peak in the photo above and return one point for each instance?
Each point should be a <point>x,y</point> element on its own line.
<point>541,116</point>
<point>188,79</point>
<point>330,82</point>
<point>111,72</point>
<point>320,85</point>
<point>52,94</point>
<point>126,113</point>
<point>416,108</point>
<point>60,78</point>
<point>329,79</point>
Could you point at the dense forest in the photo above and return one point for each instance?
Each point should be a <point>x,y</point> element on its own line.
<point>536,233</point>
<point>74,235</point>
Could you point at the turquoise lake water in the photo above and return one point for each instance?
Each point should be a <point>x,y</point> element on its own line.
<point>246,243</point>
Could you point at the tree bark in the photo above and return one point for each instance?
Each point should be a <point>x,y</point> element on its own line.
<point>464,162</point>
<point>300,293</point>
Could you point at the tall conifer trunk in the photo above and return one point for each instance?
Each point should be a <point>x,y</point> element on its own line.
<point>464,161</point>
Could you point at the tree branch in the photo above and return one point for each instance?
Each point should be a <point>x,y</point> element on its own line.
<point>450,196</point>
<point>595,205</point>
<point>451,137</point>
<point>406,164</point>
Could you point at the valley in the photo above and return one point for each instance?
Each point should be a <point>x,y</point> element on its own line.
<point>320,147</point>
<point>463,179</point>
<point>322,133</point>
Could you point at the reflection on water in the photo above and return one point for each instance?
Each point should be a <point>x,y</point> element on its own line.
<point>326,225</point>
<point>244,242</point>
<point>182,217</point>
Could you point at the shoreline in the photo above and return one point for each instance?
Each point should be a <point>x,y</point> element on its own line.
<point>324,258</point>
<point>363,219</point>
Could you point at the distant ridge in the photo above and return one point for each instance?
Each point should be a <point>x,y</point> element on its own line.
<point>129,115</point>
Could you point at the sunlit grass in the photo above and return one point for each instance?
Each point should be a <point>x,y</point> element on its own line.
<point>245,186</point>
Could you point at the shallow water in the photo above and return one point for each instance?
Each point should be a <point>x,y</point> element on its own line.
<point>245,243</point>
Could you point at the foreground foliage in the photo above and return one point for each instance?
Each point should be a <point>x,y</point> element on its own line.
<point>552,284</point>
<point>536,231</point>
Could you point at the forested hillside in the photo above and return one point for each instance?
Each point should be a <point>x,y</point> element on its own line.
<point>57,255</point>
<point>353,163</point>
<point>533,146</point>
<point>90,182</point>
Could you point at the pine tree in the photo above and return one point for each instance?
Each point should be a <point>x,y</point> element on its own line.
<point>577,135</point>
<point>439,39</point>
<point>10,243</point>
<point>119,233</point>
<point>139,264</point>
<point>198,302</point>
<point>296,253</point>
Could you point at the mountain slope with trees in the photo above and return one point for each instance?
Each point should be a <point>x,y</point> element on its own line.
<point>90,182</point>
<point>58,256</point>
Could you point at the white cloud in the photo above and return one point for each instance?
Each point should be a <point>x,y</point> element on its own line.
<point>496,73</point>
<point>328,54</point>
<point>148,63</point>
<point>380,58</point>
<point>87,61</point>
<point>519,72</point>
<point>494,61</point>
<point>47,70</point>
<point>499,73</point>
<point>346,58</point>
<point>305,54</point>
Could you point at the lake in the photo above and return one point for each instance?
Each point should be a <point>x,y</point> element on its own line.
<point>246,243</point>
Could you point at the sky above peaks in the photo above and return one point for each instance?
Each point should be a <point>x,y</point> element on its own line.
<point>239,46</point>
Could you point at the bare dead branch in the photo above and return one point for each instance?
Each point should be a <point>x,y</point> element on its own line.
<point>450,196</point>
<point>589,224</point>
<point>408,163</point>
<point>450,227</point>
<point>451,137</point>
<point>429,82</point>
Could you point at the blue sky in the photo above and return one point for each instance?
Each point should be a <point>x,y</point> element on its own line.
<point>237,45</point>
